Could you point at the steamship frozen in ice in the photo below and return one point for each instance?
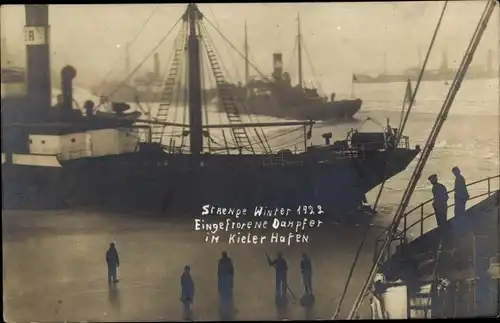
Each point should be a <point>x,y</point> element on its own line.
<point>61,156</point>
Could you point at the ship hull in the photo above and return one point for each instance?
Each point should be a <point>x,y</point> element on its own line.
<point>344,109</point>
<point>164,182</point>
<point>308,110</point>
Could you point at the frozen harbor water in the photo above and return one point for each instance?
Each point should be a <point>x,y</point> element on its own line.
<point>54,268</point>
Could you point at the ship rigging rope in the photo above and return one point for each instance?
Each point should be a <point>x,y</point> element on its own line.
<point>178,46</point>
<point>219,115</point>
<point>156,96</point>
<point>490,6</point>
<point>286,133</point>
<point>413,95</point>
<point>178,42</point>
<point>308,57</point>
<point>375,205</point>
<point>130,44</point>
<point>251,57</point>
<point>208,42</point>
<point>145,58</point>
<point>207,39</point>
<point>185,112</point>
<point>204,98</point>
<point>289,64</point>
<point>234,48</point>
<point>235,66</point>
<point>262,136</point>
<point>178,93</point>
<point>289,143</point>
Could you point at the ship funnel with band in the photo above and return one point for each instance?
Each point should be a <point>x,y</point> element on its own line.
<point>277,66</point>
<point>68,73</point>
<point>37,40</point>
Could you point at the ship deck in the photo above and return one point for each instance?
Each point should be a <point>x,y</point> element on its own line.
<point>54,268</point>
<point>466,262</point>
<point>474,237</point>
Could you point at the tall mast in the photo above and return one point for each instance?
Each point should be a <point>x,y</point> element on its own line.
<point>299,45</point>
<point>246,56</point>
<point>193,15</point>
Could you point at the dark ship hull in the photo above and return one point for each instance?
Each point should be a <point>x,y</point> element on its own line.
<point>343,109</point>
<point>159,181</point>
<point>285,102</point>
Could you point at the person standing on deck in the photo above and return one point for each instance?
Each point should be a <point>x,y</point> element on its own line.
<point>306,270</point>
<point>225,274</point>
<point>440,203</point>
<point>281,267</point>
<point>461,193</point>
<point>461,198</point>
<point>187,292</point>
<point>113,262</point>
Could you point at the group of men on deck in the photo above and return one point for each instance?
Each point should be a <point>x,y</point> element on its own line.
<point>440,194</point>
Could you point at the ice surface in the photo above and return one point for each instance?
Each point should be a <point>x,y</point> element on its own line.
<point>54,269</point>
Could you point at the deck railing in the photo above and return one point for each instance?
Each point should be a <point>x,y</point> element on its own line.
<point>403,235</point>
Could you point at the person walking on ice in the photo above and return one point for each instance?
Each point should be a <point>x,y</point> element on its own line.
<point>113,262</point>
<point>187,293</point>
<point>281,267</point>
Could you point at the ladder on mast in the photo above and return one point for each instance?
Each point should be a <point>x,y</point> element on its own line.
<point>228,101</point>
<point>169,86</point>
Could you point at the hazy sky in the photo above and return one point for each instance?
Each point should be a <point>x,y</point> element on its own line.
<point>341,38</point>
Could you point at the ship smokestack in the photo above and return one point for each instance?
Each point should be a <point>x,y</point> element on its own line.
<point>156,67</point>
<point>277,66</point>
<point>68,73</point>
<point>37,40</point>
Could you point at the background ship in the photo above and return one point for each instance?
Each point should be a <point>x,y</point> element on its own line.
<point>278,97</point>
<point>60,157</point>
<point>444,73</point>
